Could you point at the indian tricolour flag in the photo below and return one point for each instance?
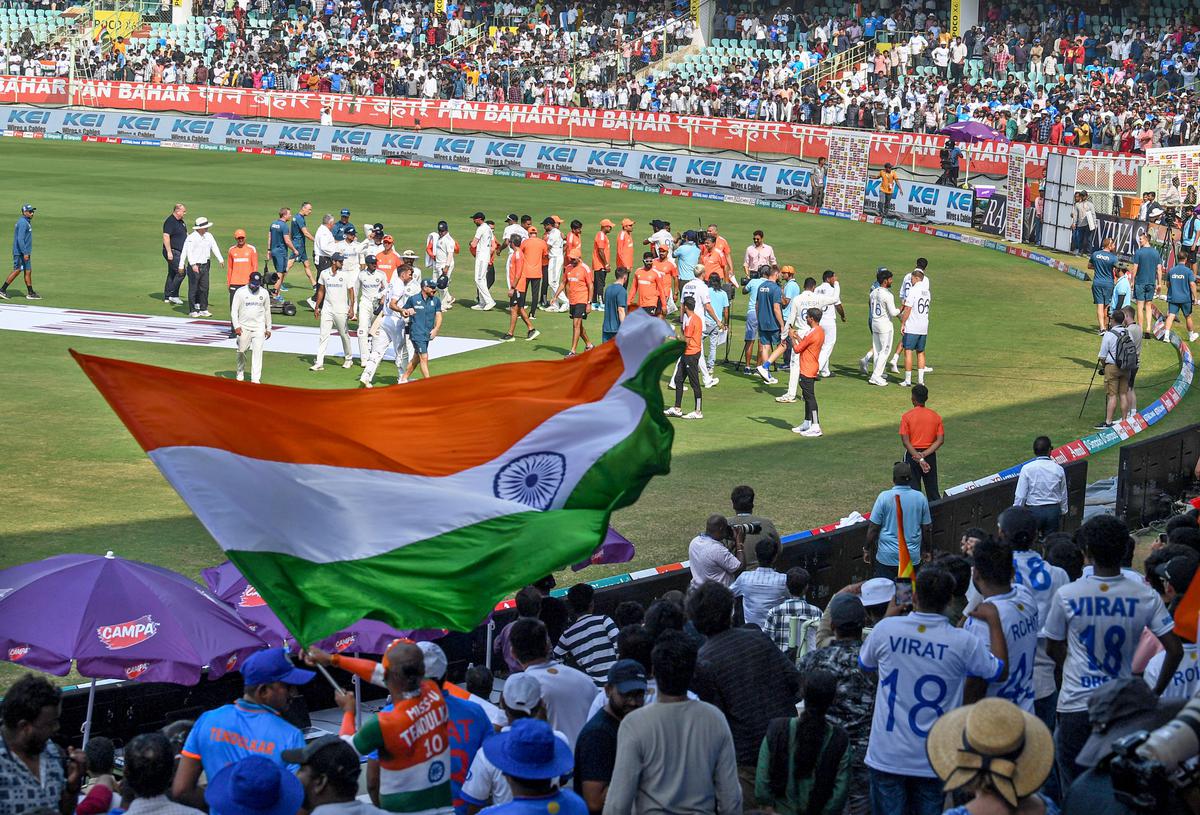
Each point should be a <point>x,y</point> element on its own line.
<point>421,505</point>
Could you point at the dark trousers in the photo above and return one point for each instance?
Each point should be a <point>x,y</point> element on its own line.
<point>1070,734</point>
<point>174,279</point>
<point>599,279</point>
<point>534,295</point>
<point>688,368</point>
<point>491,275</point>
<point>1049,518</point>
<point>1044,709</point>
<point>809,391</point>
<point>198,287</point>
<point>922,480</point>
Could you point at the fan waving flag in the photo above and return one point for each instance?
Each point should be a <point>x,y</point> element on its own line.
<point>904,569</point>
<point>422,505</point>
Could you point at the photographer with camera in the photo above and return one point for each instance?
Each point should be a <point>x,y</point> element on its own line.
<point>719,553</point>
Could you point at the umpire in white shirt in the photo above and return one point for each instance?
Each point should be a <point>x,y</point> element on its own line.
<point>195,258</point>
<point>1042,488</point>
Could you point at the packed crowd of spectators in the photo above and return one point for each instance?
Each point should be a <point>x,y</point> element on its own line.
<point>980,685</point>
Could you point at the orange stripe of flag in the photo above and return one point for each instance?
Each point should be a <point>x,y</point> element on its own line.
<point>1187,611</point>
<point>433,427</point>
<point>904,569</point>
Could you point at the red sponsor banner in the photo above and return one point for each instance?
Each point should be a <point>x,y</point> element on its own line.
<point>911,151</point>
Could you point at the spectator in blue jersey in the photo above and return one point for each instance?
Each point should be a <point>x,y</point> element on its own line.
<point>251,726</point>
<point>1103,263</point>
<point>343,223</point>
<point>615,297</point>
<point>899,507</point>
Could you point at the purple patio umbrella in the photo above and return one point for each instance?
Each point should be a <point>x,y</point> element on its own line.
<point>971,132</point>
<point>365,636</point>
<point>117,619</point>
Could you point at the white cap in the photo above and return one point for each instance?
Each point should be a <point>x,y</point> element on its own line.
<point>203,223</point>
<point>878,590</point>
<point>435,660</point>
<point>522,692</point>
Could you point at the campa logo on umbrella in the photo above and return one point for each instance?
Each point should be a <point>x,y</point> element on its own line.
<point>126,635</point>
<point>250,598</point>
<point>344,643</point>
<point>17,652</point>
<point>231,662</point>
<point>134,671</point>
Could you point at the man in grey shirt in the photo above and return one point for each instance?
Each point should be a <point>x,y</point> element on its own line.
<point>1135,334</point>
<point>675,756</point>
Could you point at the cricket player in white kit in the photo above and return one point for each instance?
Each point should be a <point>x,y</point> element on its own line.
<point>830,289</point>
<point>883,310</point>
<point>335,308</point>
<point>922,267</point>
<point>698,290</point>
<point>251,317</point>
<point>481,247</point>
<point>914,327</point>
<point>370,284</point>
<point>402,287</point>
<point>555,246</point>
<point>440,249</point>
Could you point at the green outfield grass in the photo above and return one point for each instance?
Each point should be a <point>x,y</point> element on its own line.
<point>1012,344</point>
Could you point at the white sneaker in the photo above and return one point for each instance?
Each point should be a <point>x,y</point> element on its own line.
<point>316,368</point>
<point>311,303</point>
<point>862,365</point>
<point>1192,337</point>
<point>765,373</point>
<point>825,374</point>
<point>349,363</point>
<point>813,432</point>
<point>880,382</point>
<point>715,380</point>
<point>895,367</point>
<point>695,414</point>
<point>672,411</point>
<point>476,307</point>
<point>906,384</point>
<point>671,384</point>
<point>206,313</point>
<point>598,307</point>
<point>401,381</point>
<point>785,398</point>
<point>927,370</point>
<point>365,383</point>
<point>194,314</point>
<point>240,377</point>
<point>488,308</point>
<point>800,428</point>
<point>177,301</point>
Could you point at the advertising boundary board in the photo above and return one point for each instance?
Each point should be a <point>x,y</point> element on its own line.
<point>916,201</point>
<point>1072,451</point>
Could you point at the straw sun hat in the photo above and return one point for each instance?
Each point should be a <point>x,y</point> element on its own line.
<point>994,741</point>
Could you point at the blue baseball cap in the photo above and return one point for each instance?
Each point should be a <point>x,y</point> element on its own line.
<point>529,749</point>
<point>345,212</point>
<point>255,786</point>
<point>338,256</point>
<point>28,208</point>
<point>272,665</point>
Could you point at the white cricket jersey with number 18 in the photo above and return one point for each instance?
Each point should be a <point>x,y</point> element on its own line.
<point>922,662</point>
<point>1019,619</point>
<point>1101,618</point>
<point>917,299</point>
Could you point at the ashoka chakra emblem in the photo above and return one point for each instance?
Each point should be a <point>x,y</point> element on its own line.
<point>532,479</point>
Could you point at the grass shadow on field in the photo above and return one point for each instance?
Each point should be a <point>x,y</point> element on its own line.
<point>1080,328</point>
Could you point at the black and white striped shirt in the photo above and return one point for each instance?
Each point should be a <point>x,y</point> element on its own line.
<point>589,642</point>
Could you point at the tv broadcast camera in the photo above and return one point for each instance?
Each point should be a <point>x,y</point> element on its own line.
<point>284,307</point>
<point>1160,771</point>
